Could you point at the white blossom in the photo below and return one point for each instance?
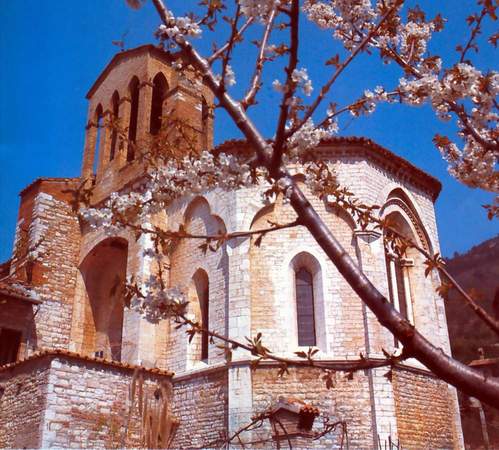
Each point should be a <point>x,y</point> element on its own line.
<point>300,77</point>
<point>178,28</point>
<point>306,137</point>
<point>258,9</point>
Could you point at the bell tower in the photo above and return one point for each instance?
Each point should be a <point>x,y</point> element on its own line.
<point>130,104</point>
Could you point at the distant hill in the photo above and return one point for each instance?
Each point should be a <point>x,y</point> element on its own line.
<point>477,271</point>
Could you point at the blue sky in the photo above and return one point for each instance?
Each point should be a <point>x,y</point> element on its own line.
<point>52,51</point>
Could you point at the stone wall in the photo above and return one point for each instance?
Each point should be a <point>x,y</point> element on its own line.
<point>200,402</point>
<point>348,401</point>
<point>48,230</point>
<point>64,400</point>
<point>425,411</point>
<point>23,399</point>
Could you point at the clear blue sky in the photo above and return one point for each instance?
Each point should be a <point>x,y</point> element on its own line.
<point>52,51</point>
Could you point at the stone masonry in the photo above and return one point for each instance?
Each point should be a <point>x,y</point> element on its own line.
<point>74,349</point>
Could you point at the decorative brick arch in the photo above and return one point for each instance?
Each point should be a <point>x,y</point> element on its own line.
<point>398,200</point>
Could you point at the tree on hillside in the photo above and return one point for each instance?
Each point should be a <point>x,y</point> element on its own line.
<point>387,29</point>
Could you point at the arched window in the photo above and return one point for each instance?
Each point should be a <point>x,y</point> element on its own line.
<point>205,115</point>
<point>134,113</point>
<point>199,307</point>
<point>115,105</point>
<point>305,314</point>
<point>398,282</point>
<point>399,265</point>
<point>98,117</point>
<point>159,91</point>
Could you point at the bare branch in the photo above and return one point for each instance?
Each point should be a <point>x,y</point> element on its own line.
<point>249,98</point>
<point>279,142</point>
<point>218,53</point>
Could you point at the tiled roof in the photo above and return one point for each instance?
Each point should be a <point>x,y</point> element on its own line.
<point>49,179</point>
<point>73,355</point>
<point>433,183</point>
<point>16,290</point>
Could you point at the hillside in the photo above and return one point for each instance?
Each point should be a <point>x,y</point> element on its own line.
<point>478,272</point>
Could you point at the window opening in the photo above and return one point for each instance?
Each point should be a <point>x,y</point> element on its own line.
<point>98,138</point>
<point>305,307</point>
<point>134,113</point>
<point>159,91</point>
<point>10,342</point>
<point>114,135</point>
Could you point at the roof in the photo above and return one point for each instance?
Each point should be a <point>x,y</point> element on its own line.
<point>16,290</point>
<point>73,355</point>
<point>48,179</point>
<point>294,405</point>
<point>484,362</point>
<point>376,150</point>
<point>119,57</point>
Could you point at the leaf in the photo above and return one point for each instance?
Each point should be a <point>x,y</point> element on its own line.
<point>254,363</point>
<point>333,61</point>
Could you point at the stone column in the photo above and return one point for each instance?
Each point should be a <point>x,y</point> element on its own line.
<point>89,151</point>
<point>239,326</point>
<point>104,145</point>
<point>144,114</point>
<point>371,256</point>
<point>124,120</point>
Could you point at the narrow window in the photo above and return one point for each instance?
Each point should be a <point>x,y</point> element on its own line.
<point>205,114</point>
<point>305,307</point>
<point>10,341</point>
<point>115,103</point>
<point>159,90</point>
<point>399,275</point>
<point>98,123</point>
<point>204,302</point>
<point>199,301</point>
<point>134,112</point>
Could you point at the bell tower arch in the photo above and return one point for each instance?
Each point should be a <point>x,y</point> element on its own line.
<point>144,98</point>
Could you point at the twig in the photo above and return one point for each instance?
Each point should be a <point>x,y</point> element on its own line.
<point>249,98</point>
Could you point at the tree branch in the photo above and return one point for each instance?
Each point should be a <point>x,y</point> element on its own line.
<point>249,98</point>
<point>463,377</point>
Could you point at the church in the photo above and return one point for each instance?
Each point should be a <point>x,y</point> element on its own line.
<point>73,356</point>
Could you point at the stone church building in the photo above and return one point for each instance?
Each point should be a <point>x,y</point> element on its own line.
<point>70,349</point>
